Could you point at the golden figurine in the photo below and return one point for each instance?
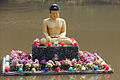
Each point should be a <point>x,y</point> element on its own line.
<point>54,28</point>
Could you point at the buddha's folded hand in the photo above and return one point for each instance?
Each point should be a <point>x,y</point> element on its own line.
<point>48,38</point>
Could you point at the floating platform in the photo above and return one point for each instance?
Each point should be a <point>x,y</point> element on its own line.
<point>56,73</point>
<point>54,60</point>
<point>62,72</point>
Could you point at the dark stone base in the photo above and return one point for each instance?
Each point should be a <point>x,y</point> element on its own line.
<point>54,53</point>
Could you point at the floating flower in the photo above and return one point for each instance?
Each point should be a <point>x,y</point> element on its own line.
<point>50,61</point>
<point>104,65</point>
<point>25,62</point>
<point>83,68</point>
<point>7,70</point>
<point>62,44</point>
<point>30,56</point>
<point>68,62</point>
<point>72,40</point>
<point>15,62</point>
<point>57,69</point>
<point>20,65</point>
<point>107,68</point>
<point>36,42</point>
<point>36,61</point>
<point>57,63</point>
<point>62,62</point>
<point>46,70</point>
<point>28,65</point>
<point>7,61</point>
<point>49,44</point>
<point>79,62</point>
<point>95,68</point>
<point>33,70</point>
<point>82,56</point>
<point>20,70</point>
<point>87,61</point>
<point>74,61</point>
<point>14,54</point>
<point>80,52</point>
<point>70,68</point>
<point>49,65</point>
<point>88,54</point>
<point>43,61</point>
<point>75,44</point>
<point>79,65</point>
<point>75,65</point>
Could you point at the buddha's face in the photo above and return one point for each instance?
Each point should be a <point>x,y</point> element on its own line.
<point>54,15</point>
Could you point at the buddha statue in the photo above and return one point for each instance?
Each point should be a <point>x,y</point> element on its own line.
<point>54,28</point>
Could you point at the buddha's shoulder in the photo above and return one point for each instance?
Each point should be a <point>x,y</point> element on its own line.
<point>46,19</point>
<point>61,19</point>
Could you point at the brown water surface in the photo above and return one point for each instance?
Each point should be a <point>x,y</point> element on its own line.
<point>95,26</point>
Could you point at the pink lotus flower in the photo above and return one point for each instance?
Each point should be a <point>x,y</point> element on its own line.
<point>15,62</point>
<point>82,56</point>
<point>26,62</point>
<point>75,44</point>
<point>79,62</point>
<point>62,62</point>
<point>84,59</point>
<point>14,54</point>
<point>36,42</point>
<point>72,40</point>
<point>62,44</point>
<point>80,52</point>
<point>49,44</point>
<point>23,53</point>
<point>37,61</point>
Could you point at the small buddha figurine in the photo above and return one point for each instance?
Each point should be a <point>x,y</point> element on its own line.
<point>54,28</point>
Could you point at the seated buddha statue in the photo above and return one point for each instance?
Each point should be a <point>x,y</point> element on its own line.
<point>54,28</point>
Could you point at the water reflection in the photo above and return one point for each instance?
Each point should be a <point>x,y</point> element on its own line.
<point>61,77</point>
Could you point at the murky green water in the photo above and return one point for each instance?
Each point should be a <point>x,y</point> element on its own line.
<point>95,25</point>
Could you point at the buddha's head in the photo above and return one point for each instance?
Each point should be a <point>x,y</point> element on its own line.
<point>54,11</point>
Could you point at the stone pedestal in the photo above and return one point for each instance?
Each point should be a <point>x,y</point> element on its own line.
<point>54,53</point>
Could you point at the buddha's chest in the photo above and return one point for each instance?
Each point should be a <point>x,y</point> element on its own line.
<point>54,24</point>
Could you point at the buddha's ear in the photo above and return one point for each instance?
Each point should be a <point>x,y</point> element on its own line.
<point>50,11</point>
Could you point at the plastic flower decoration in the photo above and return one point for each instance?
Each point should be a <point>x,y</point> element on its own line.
<point>74,61</point>
<point>49,65</point>
<point>36,42</point>
<point>57,63</point>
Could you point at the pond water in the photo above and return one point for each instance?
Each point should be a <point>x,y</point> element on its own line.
<point>94,24</point>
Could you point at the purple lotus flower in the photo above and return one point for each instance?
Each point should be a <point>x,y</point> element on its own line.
<point>43,61</point>
<point>89,54</point>
<point>37,61</point>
